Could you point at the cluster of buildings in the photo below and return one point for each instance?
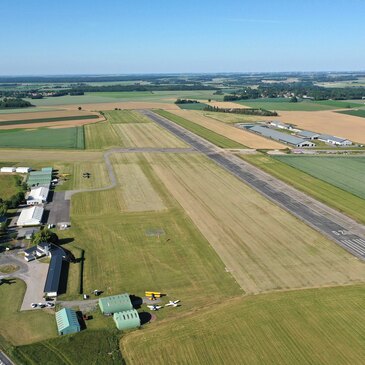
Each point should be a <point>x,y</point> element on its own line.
<point>296,137</point>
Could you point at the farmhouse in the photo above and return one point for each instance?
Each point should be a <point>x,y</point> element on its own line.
<point>308,135</point>
<point>67,321</point>
<point>115,303</point>
<point>7,169</point>
<point>38,196</point>
<point>30,216</point>
<point>127,319</point>
<point>282,137</point>
<point>338,141</point>
<point>23,170</point>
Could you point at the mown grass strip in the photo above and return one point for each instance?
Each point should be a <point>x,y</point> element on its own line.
<point>203,132</point>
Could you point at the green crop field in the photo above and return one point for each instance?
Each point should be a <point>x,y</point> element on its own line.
<point>125,116</point>
<point>346,173</point>
<point>315,326</point>
<point>284,105</point>
<point>8,186</point>
<point>325,192</point>
<point>64,138</point>
<point>203,132</point>
<point>355,113</point>
<point>49,120</point>
<point>193,106</point>
<point>339,104</point>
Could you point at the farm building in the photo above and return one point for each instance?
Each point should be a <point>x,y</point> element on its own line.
<point>67,321</point>
<point>308,135</point>
<point>281,137</point>
<point>8,169</point>
<point>39,178</point>
<point>280,125</point>
<point>51,287</point>
<point>30,216</point>
<point>338,141</point>
<point>115,303</point>
<point>127,320</point>
<point>23,170</point>
<point>38,196</point>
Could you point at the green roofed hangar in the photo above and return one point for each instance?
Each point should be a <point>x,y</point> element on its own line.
<point>67,321</point>
<point>115,303</point>
<point>127,319</point>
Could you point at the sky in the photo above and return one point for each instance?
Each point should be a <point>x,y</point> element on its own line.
<point>53,37</point>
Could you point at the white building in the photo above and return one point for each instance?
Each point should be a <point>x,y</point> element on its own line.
<point>30,216</point>
<point>38,196</point>
<point>8,169</point>
<point>23,170</point>
<point>338,141</point>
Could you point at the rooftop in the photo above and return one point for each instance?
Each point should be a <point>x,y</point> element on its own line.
<point>279,136</point>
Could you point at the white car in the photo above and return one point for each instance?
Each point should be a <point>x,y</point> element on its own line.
<point>48,304</point>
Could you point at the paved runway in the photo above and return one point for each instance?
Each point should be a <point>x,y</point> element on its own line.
<point>4,360</point>
<point>341,229</point>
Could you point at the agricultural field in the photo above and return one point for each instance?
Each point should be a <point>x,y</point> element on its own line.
<point>241,136</point>
<point>213,137</point>
<point>356,113</point>
<point>22,327</point>
<point>346,173</point>
<point>279,104</point>
<point>339,104</point>
<point>63,138</point>
<point>8,185</point>
<point>125,116</point>
<point>325,192</point>
<point>192,106</point>
<point>101,136</point>
<point>304,327</point>
<point>264,247</point>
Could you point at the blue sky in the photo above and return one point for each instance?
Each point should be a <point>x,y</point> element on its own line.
<point>110,36</point>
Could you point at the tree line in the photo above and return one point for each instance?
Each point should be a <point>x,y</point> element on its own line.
<point>14,103</point>
<point>246,111</point>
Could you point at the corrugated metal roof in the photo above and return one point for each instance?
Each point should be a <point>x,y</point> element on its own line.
<point>328,137</point>
<point>307,134</point>
<point>127,319</point>
<point>66,318</point>
<point>29,216</point>
<point>115,303</point>
<point>54,270</point>
<point>283,137</point>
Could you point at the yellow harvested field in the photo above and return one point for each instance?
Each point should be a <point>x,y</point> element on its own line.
<point>264,247</point>
<point>49,155</point>
<point>146,135</point>
<point>137,191</point>
<point>328,122</point>
<point>121,105</point>
<point>246,138</point>
<point>225,104</point>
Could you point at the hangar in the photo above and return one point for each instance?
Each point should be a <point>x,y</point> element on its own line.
<point>38,196</point>
<point>67,321</point>
<point>338,141</point>
<point>115,303</point>
<point>40,178</point>
<point>30,216</point>
<point>127,319</point>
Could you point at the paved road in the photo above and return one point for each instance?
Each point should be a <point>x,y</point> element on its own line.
<point>4,360</point>
<point>346,232</point>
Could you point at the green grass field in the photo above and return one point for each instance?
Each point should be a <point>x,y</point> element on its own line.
<point>64,138</point>
<point>49,120</point>
<point>338,104</point>
<point>282,104</point>
<point>325,192</point>
<point>355,113</point>
<point>8,186</point>
<point>192,106</point>
<point>203,132</point>
<point>323,326</point>
<point>346,173</point>
<point>125,116</point>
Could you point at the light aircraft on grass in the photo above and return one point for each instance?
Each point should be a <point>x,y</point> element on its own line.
<point>172,303</point>
<point>154,307</point>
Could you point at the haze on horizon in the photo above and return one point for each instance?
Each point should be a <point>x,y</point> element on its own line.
<point>109,37</point>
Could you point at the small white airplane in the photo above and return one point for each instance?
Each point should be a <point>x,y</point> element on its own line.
<point>154,307</point>
<point>172,303</point>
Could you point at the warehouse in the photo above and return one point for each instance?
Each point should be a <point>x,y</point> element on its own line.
<point>67,321</point>
<point>115,303</point>
<point>38,196</point>
<point>30,216</point>
<point>308,135</point>
<point>8,169</point>
<point>281,137</point>
<point>23,170</point>
<point>338,141</point>
<point>127,319</point>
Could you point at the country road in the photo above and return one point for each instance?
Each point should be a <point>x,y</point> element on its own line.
<point>343,230</point>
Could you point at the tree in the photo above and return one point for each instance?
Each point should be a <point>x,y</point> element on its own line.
<point>79,108</point>
<point>294,99</point>
<point>45,235</point>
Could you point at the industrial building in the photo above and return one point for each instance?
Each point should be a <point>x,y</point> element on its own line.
<point>40,178</point>
<point>38,196</point>
<point>308,135</point>
<point>281,137</point>
<point>23,170</point>
<point>127,319</point>
<point>67,321</point>
<point>8,169</point>
<point>280,125</point>
<point>338,141</point>
<point>30,216</point>
<point>115,303</point>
